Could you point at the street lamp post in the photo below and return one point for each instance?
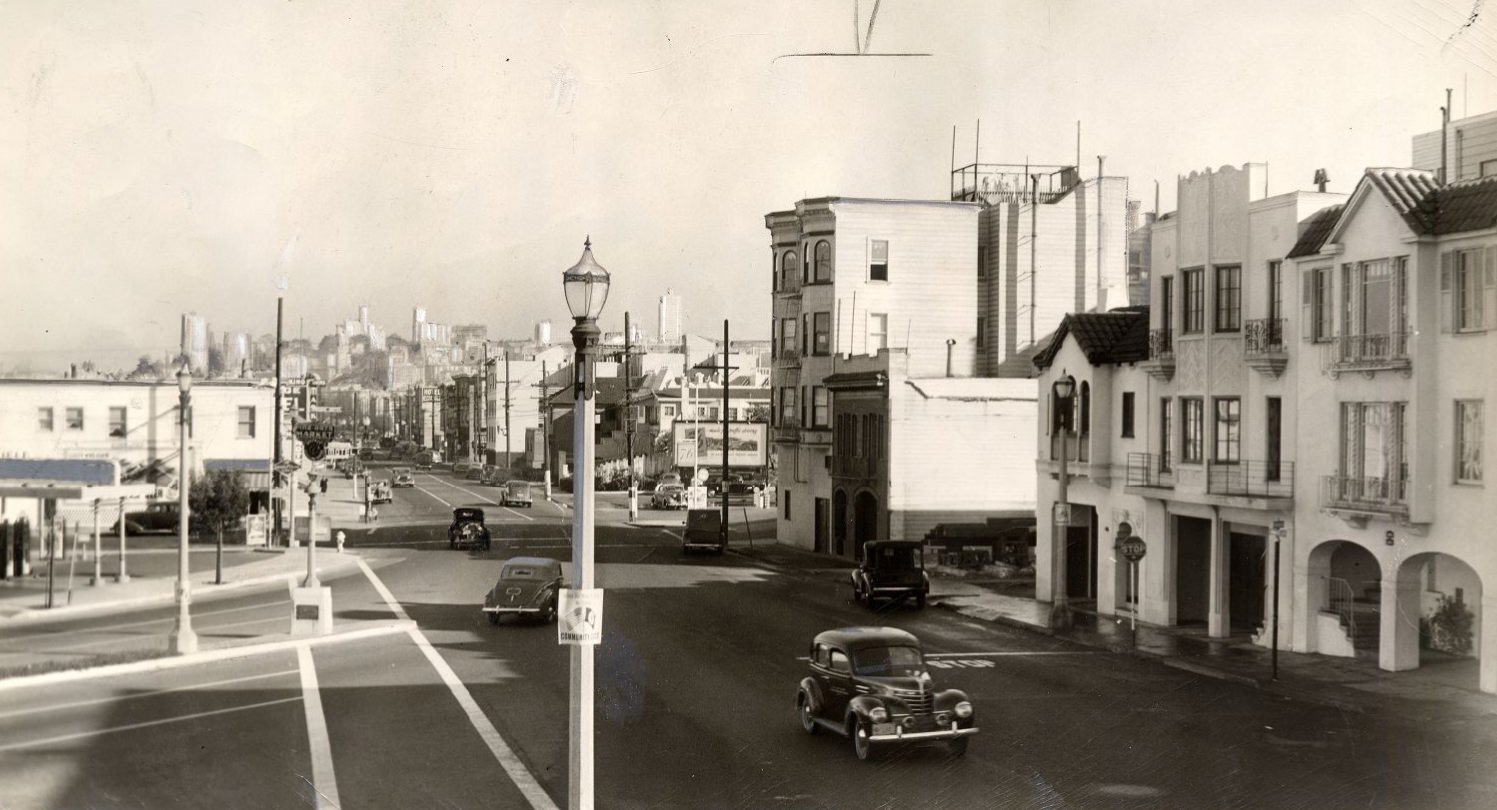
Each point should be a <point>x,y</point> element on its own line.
<point>586,288</point>
<point>1060,604</point>
<point>182,639</point>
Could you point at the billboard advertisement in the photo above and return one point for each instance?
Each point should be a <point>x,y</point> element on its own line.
<point>701,443</point>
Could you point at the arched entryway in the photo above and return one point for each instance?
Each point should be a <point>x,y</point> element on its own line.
<point>865,518</point>
<point>839,524</point>
<point>1345,600</point>
<point>1439,621</point>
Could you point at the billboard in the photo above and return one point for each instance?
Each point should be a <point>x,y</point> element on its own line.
<point>701,443</point>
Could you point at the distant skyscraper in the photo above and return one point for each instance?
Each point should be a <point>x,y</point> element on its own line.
<point>236,353</point>
<point>543,333</point>
<point>195,341</point>
<point>418,322</point>
<point>669,317</point>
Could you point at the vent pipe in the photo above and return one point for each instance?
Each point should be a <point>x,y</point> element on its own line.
<point>1444,136</point>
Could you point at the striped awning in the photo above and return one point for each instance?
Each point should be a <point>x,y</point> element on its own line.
<point>254,471</point>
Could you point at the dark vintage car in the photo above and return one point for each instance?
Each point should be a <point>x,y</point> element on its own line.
<point>891,569</point>
<point>516,493</point>
<point>156,517</point>
<point>491,476</point>
<point>527,586</point>
<point>403,478</point>
<point>870,684</point>
<point>703,531</point>
<point>473,472</point>
<point>467,529</point>
<point>380,492</point>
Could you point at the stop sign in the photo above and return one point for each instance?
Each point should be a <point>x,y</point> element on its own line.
<point>1133,549</point>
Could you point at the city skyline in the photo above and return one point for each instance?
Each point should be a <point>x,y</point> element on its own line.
<point>460,156</point>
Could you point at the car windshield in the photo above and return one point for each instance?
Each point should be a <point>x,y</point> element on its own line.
<point>894,662</point>
<point>894,557</point>
<point>521,572</point>
<point>467,514</point>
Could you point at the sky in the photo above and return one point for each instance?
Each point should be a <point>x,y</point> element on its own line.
<point>158,158</point>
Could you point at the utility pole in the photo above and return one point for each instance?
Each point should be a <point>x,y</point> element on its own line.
<point>629,419</point>
<point>545,409</point>
<point>483,401</point>
<point>508,445</point>
<point>723,482</point>
<point>275,528</point>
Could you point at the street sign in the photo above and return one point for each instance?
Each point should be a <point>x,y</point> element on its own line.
<point>314,449</point>
<point>314,431</point>
<point>287,467</point>
<point>580,619</point>
<point>1062,514</point>
<point>1133,548</point>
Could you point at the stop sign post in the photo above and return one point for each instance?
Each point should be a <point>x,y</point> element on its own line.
<point>1133,549</point>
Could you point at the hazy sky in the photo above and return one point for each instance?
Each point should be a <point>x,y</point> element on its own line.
<point>162,157</point>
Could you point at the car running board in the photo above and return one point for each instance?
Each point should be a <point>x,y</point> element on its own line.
<point>830,726</point>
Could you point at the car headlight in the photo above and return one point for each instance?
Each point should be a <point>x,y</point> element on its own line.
<point>963,710</point>
<point>878,714</point>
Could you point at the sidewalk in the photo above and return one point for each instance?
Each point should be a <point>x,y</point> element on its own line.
<point>1445,684</point>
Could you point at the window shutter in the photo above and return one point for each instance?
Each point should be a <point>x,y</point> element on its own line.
<point>1307,305</point>
<point>1447,313</point>
<point>1489,285</point>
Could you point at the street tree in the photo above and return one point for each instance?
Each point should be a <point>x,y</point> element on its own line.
<point>218,500</point>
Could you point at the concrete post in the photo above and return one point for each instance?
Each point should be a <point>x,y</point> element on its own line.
<point>124,575</point>
<point>1486,678</point>
<point>1398,633</point>
<point>1218,617</point>
<point>98,549</point>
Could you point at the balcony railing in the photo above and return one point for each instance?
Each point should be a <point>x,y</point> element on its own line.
<point>1161,344</point>
<point>1257,479</point>
<point>1263,336</point>
<point>1149,470</point>
<point>1367,353</point>
<point>1078,448</point>
<point>1365,494</point>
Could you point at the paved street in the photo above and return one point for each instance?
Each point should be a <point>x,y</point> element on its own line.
<point>696,678</point>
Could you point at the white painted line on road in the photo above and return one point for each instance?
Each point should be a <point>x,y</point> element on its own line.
<point>324,782</point>
<point>1015,653</point>
<point>434,495</point>
<point>146,724</point>
<point>505,756</point>
<point>112,699</point>
<point>508,509</point>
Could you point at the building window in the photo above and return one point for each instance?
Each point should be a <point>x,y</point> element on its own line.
<point>878,261</point>
<point>787,504</point>
<point>1274,430</point>
<point>1228,430</point>
<point>787,406</point>
<point>805,329</point>
<point>787,271</point>
<point>805,402</point>
<point>1275,292</point>
<point>1228,298</point>
<point>820,407</point>
<point>1166,434</point>
<point>74,417</point>
<point>1468,441</point>
<point>823,262</point>
<point>982,262</point>
<point>1373,462</point>
<point>1167,303</point>
<point>1318,299</point>
<point>44,419</point>
<point>1192,429</point>
<point>1375,300</point>
<point>1127,414</point>
<point>1465,288</point>
<point>1195,301</point>
<point>787,338</point>
<point>878,331</point>
<point>822,334</point>
<point>246,421</point>
<point>982,331</point>
<point>117,427</point>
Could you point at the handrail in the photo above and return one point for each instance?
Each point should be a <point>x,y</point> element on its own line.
<point>1342,602</point>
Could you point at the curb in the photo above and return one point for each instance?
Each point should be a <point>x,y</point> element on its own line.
<point>204,657</point>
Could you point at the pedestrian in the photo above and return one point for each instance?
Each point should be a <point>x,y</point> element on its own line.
<point>374,513</point>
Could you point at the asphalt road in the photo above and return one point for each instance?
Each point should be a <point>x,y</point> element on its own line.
<point>695,684</point>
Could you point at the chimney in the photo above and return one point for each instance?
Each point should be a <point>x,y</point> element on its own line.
<point>1321,178</point>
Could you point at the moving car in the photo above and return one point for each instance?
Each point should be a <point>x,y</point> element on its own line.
<point>516,493</point>
<point>473,472</point>
<point>156,517</point>
<point>403,478</point>
<point>870,684</point>
<point>891,569</point>
<point>703,530</point>
<point>467,529</point>
<point>527,586</point>
<point>424,461</point>
<point>668,496</point>
<point>460,468</point>
<point>491,476</point>
<point>380,492</point>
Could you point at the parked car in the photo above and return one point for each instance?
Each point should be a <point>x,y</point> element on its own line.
<point>516,493</point>
<point>156,517</point>
<point>473,472</point>
<point>402,478</point>
<point>491,475</point>
<point>703,530</point>
<point>380,492</point>
<point>527,586</point>
<point>467,529</point>
<point>460,468</point>
<point>891,569</point>
<point>668,496</point>
<point>424,461</point>
<point>870,684</point>
<point>670,478</point>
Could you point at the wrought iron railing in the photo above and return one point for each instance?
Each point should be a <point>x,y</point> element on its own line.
<point>1263,336</point>
<point>1260,479</point>
<point>1149,470</point>
<point>1365,494</point>
<point>1367,352</point>
<point>1342,601</point>
<point>1161,344</point>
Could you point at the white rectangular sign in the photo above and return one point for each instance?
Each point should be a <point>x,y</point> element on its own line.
<point>580,616</point>
<point>702,443</point>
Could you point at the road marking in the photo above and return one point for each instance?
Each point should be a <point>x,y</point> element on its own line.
<point>78,704</point>
<point>145,724</point>
<point>201,628</point>
<point>324,782</point>
<point>142,623</point>
<point>434,495</point>
<point>503,754</point>
<point>508,509</point>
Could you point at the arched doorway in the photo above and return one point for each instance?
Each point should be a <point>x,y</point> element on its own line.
<point>865,519</point>
<point>839,524</point>
<point>1445,594</point>
<point>1344,600</point>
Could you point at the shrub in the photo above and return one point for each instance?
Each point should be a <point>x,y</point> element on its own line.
<point>1450,627</point>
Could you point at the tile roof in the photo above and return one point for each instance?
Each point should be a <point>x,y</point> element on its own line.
<point>1428,208</point>
<point>1120,336</point>
<point>1317,228</point>
<point>1409,192</point>
<point>1470,205</point>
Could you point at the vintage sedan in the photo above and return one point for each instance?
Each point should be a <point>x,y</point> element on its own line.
<point>156,517</point>
<point>403,478</point>
<point>870,684</point>
<point>516,493</point>
<point>467,529</point>
<point>891,569</point>
<point>668,496</point>
<point>527,586</point>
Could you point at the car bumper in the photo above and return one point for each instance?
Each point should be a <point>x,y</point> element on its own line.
<point>898,734</point>
<point>699,544</point>
<point>508,609</point>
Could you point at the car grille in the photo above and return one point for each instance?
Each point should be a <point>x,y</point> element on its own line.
<point>919,702</point>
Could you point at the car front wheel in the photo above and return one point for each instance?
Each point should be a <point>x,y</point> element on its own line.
<point>803,710</point>
<point>861,745</point>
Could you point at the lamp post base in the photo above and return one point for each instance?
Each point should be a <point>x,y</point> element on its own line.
<point>1060,616</point>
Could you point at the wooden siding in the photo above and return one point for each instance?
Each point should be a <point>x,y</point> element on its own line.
<point>1470,141</point>
<point>962,453</point>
